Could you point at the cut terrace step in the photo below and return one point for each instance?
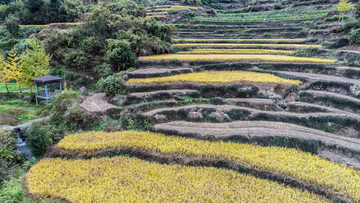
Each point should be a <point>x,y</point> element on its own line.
<point>158,95</point>
<point>340,123</point>
<point>157,72</point>
<point>255,103</point>
<point>329,83</point>
<point>302,107</point>
<point>250,129</point>
<point>334,100</point>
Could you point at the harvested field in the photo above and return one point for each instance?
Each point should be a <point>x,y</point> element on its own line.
<point>255,129</point>
<point>236,51</point>
<point>241,40</point>
<point>233,57</point>
<point>121,179</point>
<point>218,77</point>
<point>287,161</point>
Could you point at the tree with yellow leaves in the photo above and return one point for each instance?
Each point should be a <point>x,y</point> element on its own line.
<point>4,74</point>
<point>34,63</point>
<point>342,7</point>
<point>13,66</point>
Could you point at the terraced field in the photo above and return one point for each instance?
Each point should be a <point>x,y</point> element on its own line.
<point>236,114</point>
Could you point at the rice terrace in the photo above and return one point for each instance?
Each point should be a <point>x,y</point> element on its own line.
<point>179,101</point>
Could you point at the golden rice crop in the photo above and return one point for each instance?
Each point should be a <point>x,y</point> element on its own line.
<point>234,57</point>
<point>34,25</point>
<point>236,51</point>
<point>286,46</point>
<point>298,164</point>
<point>218,77</point>
<point>121,179</point>
<point>241,40</point>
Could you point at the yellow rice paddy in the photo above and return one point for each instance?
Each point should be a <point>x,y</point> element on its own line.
<point>234,57</point>
<point>121,179</point>
<point>219,77</point>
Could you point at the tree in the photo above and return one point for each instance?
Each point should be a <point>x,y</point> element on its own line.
<point>5,75</point>
<point>342,7</point>
<point>13,65</point>
<point>9,70</point>
<point>35,62</point>
<point>13,25</point>
<point>357,11</point>
<point>34,5</point>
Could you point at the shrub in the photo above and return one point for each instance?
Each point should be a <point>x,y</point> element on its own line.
<point>13,25</point>
<point>111,85</point>
<point>354,36</point>
<point>39,137</point>
<point>8,154</point>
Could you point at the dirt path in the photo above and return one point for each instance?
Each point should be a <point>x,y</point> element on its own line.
<point>97,104</point>
<point>23,126</point>
<point>347,68</point>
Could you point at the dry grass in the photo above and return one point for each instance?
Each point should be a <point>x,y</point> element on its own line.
<point>236,51</point>
<point>121,179</point>
<point>234,57</point>
<point>291,162</point>
<point>218,77</point>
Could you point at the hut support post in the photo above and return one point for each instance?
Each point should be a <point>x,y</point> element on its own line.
<point>46,92</point>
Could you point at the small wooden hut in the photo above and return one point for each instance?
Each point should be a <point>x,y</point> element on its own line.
<point>51,84</point>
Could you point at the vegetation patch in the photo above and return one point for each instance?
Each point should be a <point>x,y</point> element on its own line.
<point>218,77</point>
<point>306,167</point>
<point>130,179</point>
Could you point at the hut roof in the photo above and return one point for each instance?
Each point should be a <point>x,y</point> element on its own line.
<point>47,79</point>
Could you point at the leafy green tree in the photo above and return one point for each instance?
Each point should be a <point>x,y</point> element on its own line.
<point>13,25</point>
<point>342,7</point>
<point>35,62</point>
<point>34,5</point>
<point>357,11</point>
<point>120,54</point>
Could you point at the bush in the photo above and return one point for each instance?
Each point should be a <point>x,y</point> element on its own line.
<point>8,154</point>
<point>39,137</point>
<point>354,36</point>
<point>13,25</point>
<point>111,85</point>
